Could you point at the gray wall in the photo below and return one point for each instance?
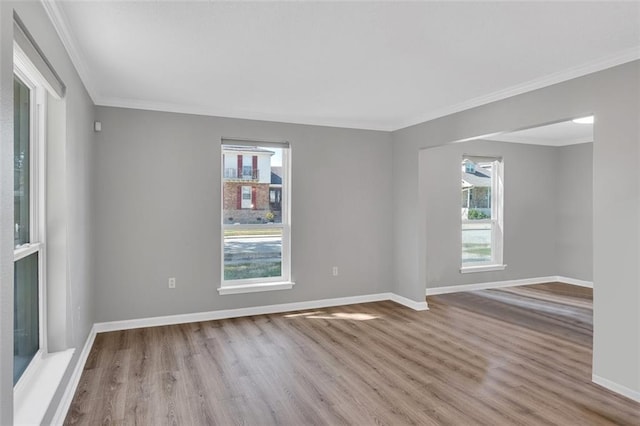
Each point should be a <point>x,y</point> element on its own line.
<point>157,199</point>
<point>574,186</point>
<point>612,95</point>
<point>72,313</point>
<point>530,218</point>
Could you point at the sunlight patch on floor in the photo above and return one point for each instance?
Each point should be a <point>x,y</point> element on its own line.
<point>356,316</point>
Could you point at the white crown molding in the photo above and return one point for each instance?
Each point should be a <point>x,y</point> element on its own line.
<point>619,58</point>
<point>539,83</point>
<point>60,23</point>
<point>243,115</point>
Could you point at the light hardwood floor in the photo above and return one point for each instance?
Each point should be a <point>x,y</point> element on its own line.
<point>511,356</point>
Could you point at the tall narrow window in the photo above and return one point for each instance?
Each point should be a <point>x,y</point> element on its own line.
<point>255,216</point>
<point>28,222</point>
<point>482,206</point>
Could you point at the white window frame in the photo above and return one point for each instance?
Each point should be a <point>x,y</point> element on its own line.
<point>496,220</point>
<point>246,203</point>
<point>28,74</point>
<point>283,281</point>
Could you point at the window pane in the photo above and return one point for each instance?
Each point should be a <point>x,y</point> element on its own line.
<point>476,242</point>
<point>252,190</point>
<point>476,190</point>
<point>26,340</point>
<point>21,172</point>
<point>252,253</point>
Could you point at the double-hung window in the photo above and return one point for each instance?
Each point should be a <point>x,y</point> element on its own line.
<point>482,213</point>
<point>29,225</point>
<point>255,216</point>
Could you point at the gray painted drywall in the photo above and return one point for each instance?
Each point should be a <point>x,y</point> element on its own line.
<point>574,235</point>
<point>71,316</point>
<point>530,219</point>
<point>157,200</point>
<point>57,241</point>
<point>612,95</point>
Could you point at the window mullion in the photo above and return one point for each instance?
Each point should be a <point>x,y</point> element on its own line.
<point>26,250</point>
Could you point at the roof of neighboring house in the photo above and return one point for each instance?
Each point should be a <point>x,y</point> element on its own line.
<point>481,178</point>
<point>276,175</point>
<point>243,148</point>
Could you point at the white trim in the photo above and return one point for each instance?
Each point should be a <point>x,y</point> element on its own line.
<point>507,283</point>
<point>30,76</point>
<point>574,281</point>
<point>27,52</point>
<point>255,310</point>
<point>239,312</point>
<point>253,288</point>
<point>481,268</point>
<point>26,250</point>
<point>59,20</point>
<point>28,374</point>
<point>416,306</point>
<point>599,65</point>
<point>32,401</point>
<point>615,387</point>
<point>496,263</point>
<point>249,285</point>
<point>26,70</point>
<point>60,23</point>
<point>622,57</point>
<point>74,380</point>
<point>484,286</point>
<point>244,115</point>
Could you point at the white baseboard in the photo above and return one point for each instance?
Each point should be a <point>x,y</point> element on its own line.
<point>615,387</point>
<point>484,286</point>
<point>416,306</point>
<point>507,283</point>
<point>74,380</point>
<point>256,310</point>
<point>574,281</point>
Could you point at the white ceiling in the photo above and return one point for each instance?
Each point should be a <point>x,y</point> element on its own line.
<point>558,134</point>
<point>373,65</point>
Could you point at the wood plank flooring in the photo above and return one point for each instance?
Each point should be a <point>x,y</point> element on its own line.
<point>510,356</point>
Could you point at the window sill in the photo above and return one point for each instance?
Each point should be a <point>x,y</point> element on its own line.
<point>481,268</point>
<point>33,395</point>
<point>253,288</point>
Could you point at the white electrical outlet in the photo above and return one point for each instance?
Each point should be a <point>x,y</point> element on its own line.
<point>335,271</point>
<point>172,282</point>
